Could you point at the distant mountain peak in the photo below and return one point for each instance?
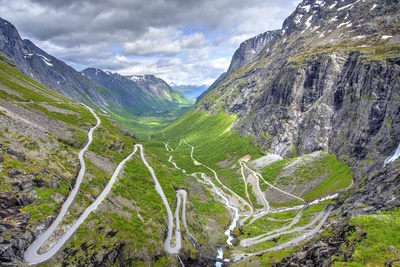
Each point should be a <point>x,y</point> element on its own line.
<point>134,94</point>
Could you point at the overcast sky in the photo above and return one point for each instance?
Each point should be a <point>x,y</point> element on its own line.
<point>181,41</point>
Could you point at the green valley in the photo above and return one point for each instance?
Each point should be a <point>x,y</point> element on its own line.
<point>290,158</point>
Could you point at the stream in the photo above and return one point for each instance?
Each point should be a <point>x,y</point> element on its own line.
<point>320,218</point>
<point>173,241</point>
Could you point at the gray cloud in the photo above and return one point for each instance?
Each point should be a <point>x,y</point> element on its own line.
<point>87,32</point>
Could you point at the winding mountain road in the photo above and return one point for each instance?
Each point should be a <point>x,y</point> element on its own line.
<point>32,256</point>
<point>288,229</point>
<point>171,249</point>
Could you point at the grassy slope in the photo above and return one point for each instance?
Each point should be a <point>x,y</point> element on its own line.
<point>139,205</point>
<point>214,144</point>
<point>374,241</point>
<point>110,143</point>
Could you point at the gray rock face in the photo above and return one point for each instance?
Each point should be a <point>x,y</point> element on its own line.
<point>330,79</point>
<point>319,80</point>
<point>12,45</point>
<point>249,50</point>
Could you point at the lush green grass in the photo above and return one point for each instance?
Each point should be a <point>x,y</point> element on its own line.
<point>109,142</point>
<point>45,204</point>
<point>376,239</point>
<point>213,142</point>
<point>148,123</point>
<point>335,175</point>
<point>271,171</point>
<point>338,176</point>
<point>211,208</point>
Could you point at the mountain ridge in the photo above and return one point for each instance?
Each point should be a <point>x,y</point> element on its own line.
<point>328,80</point>
<point>156,96</point>
<point>326,87</point>
<point>138,93</point>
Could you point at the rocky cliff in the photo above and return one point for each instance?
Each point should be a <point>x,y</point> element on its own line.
<point>247,51</point>
<point>328,80</point>
<point>45,68</point>
<point>292,97</point>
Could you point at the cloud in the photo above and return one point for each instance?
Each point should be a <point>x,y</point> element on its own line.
<point>177,39</point>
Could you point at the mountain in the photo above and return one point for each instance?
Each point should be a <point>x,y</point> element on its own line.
<point>247,51</point>
<point>304,78</point>
<point>327,81</point>
<point>123,98</point>
<point>47,69</point>
<point>190,91</point>
<point>138,94</point>
<point>289,159</point>
<point>41,135</point>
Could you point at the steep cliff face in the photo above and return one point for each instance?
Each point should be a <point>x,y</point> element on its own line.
<point>62,78</point>
<point>249,49</point>
<point>12,45</point>
<point>45,68</point>
<point>330,79</point>
<point>295,96</point>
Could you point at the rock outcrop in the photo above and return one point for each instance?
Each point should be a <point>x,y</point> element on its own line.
<point>307,89</point>
<point>330,79</point>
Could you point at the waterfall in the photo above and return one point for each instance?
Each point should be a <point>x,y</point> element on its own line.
<point>392,158</point>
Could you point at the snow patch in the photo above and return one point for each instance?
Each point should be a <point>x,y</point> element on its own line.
<point>384,37</point>
<point>333,19</point>
<point>373,7</point>
<point>137,78</point>
<point>315,28</point>
<point>307,8</point>
<point>168,96</point>
<point>45,60</point>
<point>359,37</point>
<point>297,18</point>
<point>29,55</point>
<point>348,6</point>
<point>308,22</point>
<point>347,24</point>
<point>333,5</point>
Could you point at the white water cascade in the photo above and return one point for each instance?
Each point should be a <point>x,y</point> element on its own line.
<point>392,158</point>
